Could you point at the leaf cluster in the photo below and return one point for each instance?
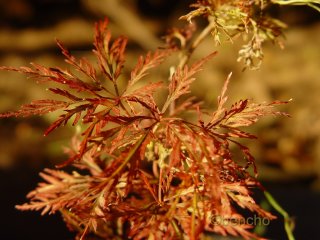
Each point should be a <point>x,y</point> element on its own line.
<point>233,18</point>
<point>141,169</point>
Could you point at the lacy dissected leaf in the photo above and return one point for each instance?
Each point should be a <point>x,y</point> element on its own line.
<point>64,118</point>
<point>110,54</point>
<point>147,101</point>
<point>244,113</point>
<point>178,38</point>
<point>202,8</point>
<point>241,196</point>
<point>181,80</point>
<point>188,105</point>
<point>144,174</point>
<point>65,93</point>
<point>146,63</point>
<point>241,114</point>
<point>229,19</point>
<point>263,29</point>
<point>37,107</point>
<point>57,75</point>
<point>146,90</point>
<point>82,65</point>
<point>61,190</point>
<point>144,97</point>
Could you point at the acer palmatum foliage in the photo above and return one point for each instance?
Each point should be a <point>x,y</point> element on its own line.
<point>144,171</point>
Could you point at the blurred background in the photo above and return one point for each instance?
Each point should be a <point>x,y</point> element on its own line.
<point>287,150</point>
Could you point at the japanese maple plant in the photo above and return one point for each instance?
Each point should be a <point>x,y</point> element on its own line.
<point>141,169</point>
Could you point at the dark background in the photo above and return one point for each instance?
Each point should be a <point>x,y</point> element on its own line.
<point>24,152</point>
